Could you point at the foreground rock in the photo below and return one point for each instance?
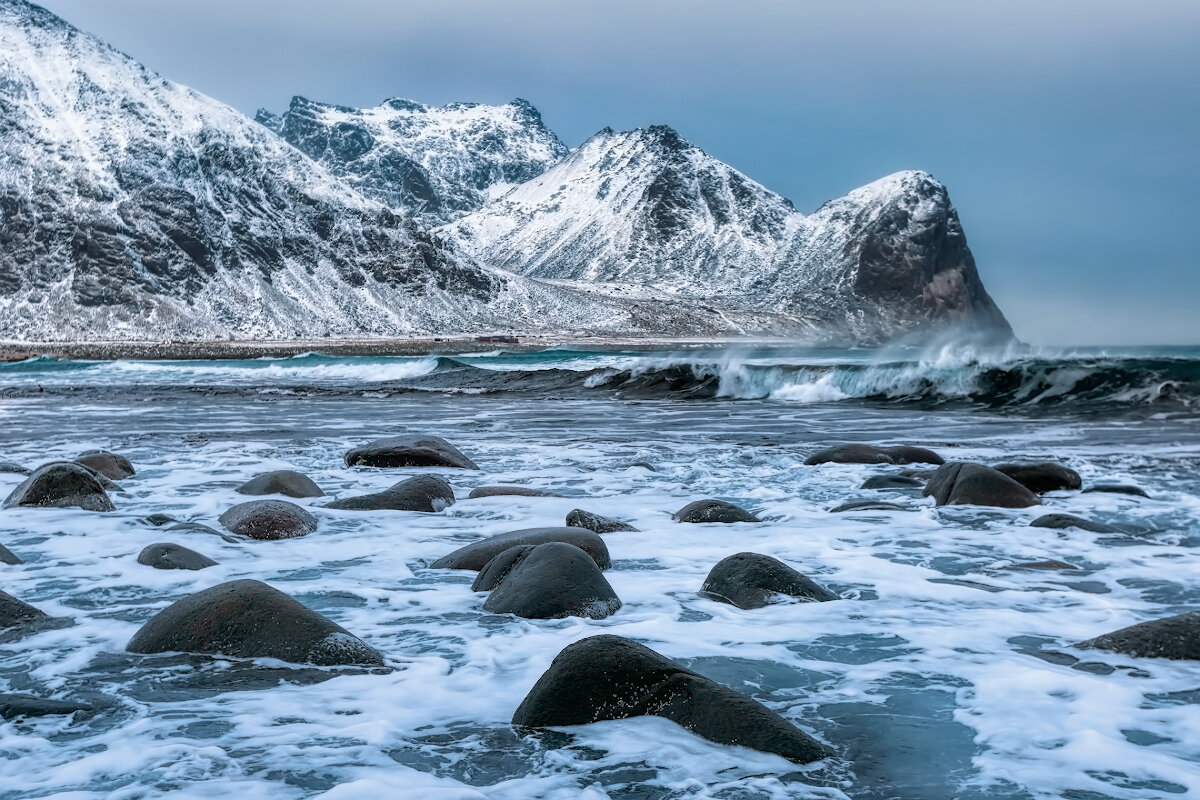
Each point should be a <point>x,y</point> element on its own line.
<point>500,491</point>
<point>1117,488</point>
<point>1042,476</point>
<point>110,465</point>
<point>871,454</point>
<point>13,706</point>
<point>282,481</point>
<point>713,511</point>
<point>61,484</point>
<point>476,555</point>
<point>546,581</point>
<point>892,483</point>
<point>1175,637</point>
<point>165,555</point>
<point>962,483</point>
<point>423,493</point>
<point>249,619</point>
<point>753,580</point>
<point>19,619</point>
<point>578,518</point>
<point>608,677</point>
<point>1064,521</point>
<point>269,519</point>
<point>8,556</point>
<point>409,451</point>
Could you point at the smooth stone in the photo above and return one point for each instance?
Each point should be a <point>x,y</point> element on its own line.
<point>18,618</point>
<point>1063,521</point>
<point>500,491</point>
<point>578,518</point>
<point>282,481</point>
<point>964,483</point>
<point>1048,564</point>
<point>426,493</point>
<point>1175,637</point>
<point>8,556</point>
<point>548,581</point>
<point>61,484</point>
<point>110,465</point>
<point>713,511</point>
<point>891,482</point>
<point>872,454</point>
<point>158,520</point>
<point>608,677</point>
<point>409,451</point>
<point>754,580</point>
<point>1116,488</point>
<point>191,528</point>
<point>165,555</point>
<point>477,554</point>
<point>866,505</point>
<point>249,619</point>
<point>1042,476</point>
<point>8,466</point>
<point>269,519</point>
<point>13,706</point>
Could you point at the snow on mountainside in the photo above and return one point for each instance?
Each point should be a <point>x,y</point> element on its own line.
<point>439,163</point>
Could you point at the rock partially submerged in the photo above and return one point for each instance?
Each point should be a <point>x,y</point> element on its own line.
<point>892,483</point>
<point>501,491</point>
<point>61,484</point>
<point>546,581</point>
<point>1042,476</point>
<point>423,493</point>
<point>166,555</point>
<point>10,467</point>
<point>476,555</point>
<point>964,483</point>
<point>754,580</point>
<point>111,465</point>
<point>249,619</point>
<point>1117,488</point>
<point>14,706</point>
<point>269,519</point>
<point>19,619</point>
<point>866,505</point>
<point>409,451</point>
<point>282,481</point>
<point>713,511</point>
<point>578,518</point>
<point>872,454</point>
<point>8,556</point>
<point>1175,637</point>
<point>608,677</point>
<point>1064,521</point>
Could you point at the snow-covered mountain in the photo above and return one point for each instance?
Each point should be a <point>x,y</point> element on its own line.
<point>437,162</point>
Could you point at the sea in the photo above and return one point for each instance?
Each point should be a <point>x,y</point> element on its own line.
<point>943,672</point>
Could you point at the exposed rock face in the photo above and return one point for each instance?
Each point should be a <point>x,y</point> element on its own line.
<point>281,481</point>
<point>547,581</point>
<point>7,556</point>
<point>409,451</point>
<point>476,555</point>
<point>608,677</point>
<point>871,454</point>
<point>110,465</point>
<point>269,519</point>
<point>1064,521</point>
<point>578,518</point>
<point>500,491</point>
<point>61,484</point>
<point>249,619</point>
<point>1175,637</point>
<point>962,483</point>
<point>165,555</point>
<point>13,706</point>
<point>892,483</point>
<point>713,511</point>
<point>753,580</point>
<point>1042,476</point>
<point>422,493</point>
<point>19,619</point>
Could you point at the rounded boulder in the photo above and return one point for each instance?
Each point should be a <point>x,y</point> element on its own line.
<point>578,518</point>
<point>476,555</point>
<point>61,485</point>
<point>1042,476</point>
<point>269,519</point>
<point>503,491</point>
<point>409,451</point>
<point>547,581</point>
<point>963,483</point>
<point>754,580</point>
<point>873,454</point>
<point>282,481</point>
<point>713,511</point>
<point>111,465</point>
<point>423,493</point>
<point>1175,637</point>
<point>1064,521</point>
<point>165,555</point>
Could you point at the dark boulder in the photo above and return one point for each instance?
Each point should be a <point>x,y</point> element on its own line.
<point>608,677</point>
<point>919,474</point>
<point>1047,564</point>
<point>158,520</point>
<point>165,555</point>
<point>753,580</point>
<point>866,505</point>
<point>1064,521</point>
<point>1116,488</point>
<point>1175,637</point>
<point>8,466</point>
<point>547,581</point>
<point>891,483</point>
<point>249,619</point>
<point>1042,476</point>
<point>499,491</point>
<point>13,706</point>
<point>871,454</point>
<point>61,484</point>
<point>190,528</point>
<point>963,483</point>
<point>110,465</point>
<point>281,481</point>
<point>18,619</point>
<point>409,451</point>
<point>423,493</point>
<point>476,555</point>
<point>8,556</point>
<point>269,519</point>
<point>713,511</point>
<point>578,518</point>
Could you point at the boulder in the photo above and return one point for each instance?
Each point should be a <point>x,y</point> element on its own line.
<point>8,556</point>
<point>189,528</point>
<point>409,451</point>
<point>866,505</point>
<point>713,511</point>
<point>165,555</point>
<point>61,484</point>
<point>1116,488</point>
<point>608,677</point>
<point>578,518</point>
<point>268,519</point>
<point>871,454</point>
<point>1175,637</point>
<point>281,481</point>
<point>753,580</point>
<point>423,493</point>
<point>13,706</point>
<point>891,483</point>
<point>18,619</point>
<point>249,619</point>
<point>963,483</point>
<point>1047,564</point>
<point>110,465</point>
<point>1064,521</point>
<point>547,581</point>
<point>1042,476</point>
<point>158,520</point>
<point>919,474</point>
<point>497,491</point>
<point>8,466</point>
<point>477,554</point>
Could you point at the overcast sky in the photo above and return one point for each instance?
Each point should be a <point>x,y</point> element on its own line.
<point>1068,132</point>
